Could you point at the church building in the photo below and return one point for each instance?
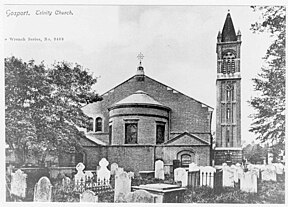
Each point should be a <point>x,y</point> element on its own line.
<point>142,120</point>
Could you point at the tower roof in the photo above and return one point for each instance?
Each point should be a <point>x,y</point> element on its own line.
<point>228,31</point>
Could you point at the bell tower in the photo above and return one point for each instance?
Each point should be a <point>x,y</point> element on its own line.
<point>228,106</point>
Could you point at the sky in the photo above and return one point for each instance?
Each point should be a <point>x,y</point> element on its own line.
<point>178,43</point>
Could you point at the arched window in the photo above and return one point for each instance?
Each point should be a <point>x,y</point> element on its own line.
<point>185,159</point>
<point>90,127</point>
<point>228,65</point>
<point>98,124</point>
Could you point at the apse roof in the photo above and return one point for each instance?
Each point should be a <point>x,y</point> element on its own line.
<point>139,97</point>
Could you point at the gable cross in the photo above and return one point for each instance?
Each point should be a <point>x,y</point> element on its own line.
<point>140,57</point>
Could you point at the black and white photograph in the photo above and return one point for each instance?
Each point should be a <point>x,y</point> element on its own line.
<point>144,102</point>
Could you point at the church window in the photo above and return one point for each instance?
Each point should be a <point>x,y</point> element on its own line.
<point>185,159</point>
<point>228,137</point>
<point>98,124</point>
<point>228,65</point>
<point>110,133</point>
<point>131,133</point>
<point>160,133</point>
<point>90,126</point>
<point>228,114</point>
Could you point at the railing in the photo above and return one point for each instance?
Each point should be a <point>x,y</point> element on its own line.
<point>96,185</point>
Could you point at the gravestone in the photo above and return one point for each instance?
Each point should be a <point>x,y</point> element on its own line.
<point>207,176</point>
<point>119,170</point>
<point>80,176</point>
<point>180,174</point>
<point>65,182</point>
<point>88,174</point>
<point>122,186</point>
<point>269,173</point>
<point>193,167</point>
<point>103,174</point>
<point>114,167</point>
<point>140,196</point>
<point>227,176</point>
<point>279,168</point>
<point>43,190</point>
<point>159,169</point>
<point>238,171</point>
<point>248,181</point>
<point>88,196</point>
<point>18,183</point>
<point>131,175</point>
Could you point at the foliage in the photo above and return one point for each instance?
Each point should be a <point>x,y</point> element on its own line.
<point>255,153</point>
<point>269,118</point>
<point>43,106</point>
<point>268,192</point>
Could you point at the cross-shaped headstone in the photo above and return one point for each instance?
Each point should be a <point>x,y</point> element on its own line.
<point>140,57</point>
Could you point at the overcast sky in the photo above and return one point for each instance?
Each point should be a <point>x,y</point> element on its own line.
<point>178,42</point>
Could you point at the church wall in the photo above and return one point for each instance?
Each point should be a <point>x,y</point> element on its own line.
<point>132,158</point>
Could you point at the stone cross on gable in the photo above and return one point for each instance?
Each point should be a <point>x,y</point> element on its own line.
<point>140,57</point>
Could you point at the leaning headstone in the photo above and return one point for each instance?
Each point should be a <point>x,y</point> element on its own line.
<point>207,176</point>
<point>122,186</point>
<point>114,167</point>
<point>140,196</point>
<point>43,190</point>
<point>248,182</point>
<point>227,176</point>
<point>88,196</point>
<point>180,174</point>
<point>269,173</point>
<point>18,183</point>
<point>103,174</point>
<point>159,169</point>
<point>80,176</point>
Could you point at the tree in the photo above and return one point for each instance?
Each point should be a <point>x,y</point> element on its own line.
<point>43,107</point>
<point>269,119</point>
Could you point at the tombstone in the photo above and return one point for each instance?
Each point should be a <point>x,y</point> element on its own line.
<point>88,196</point>
<point>119,170</point>
<point>180,174</point>
<point>43,190</point>
<point>122,186</point>
<point>80,176</point>
<point>131,175</point>
<point>207,176</point>
<point>228,176</point>
<point>140,196</point>
<point>269,173</point>
<point>279,168</point>
<point>66,182</point>
<point>238,171</point>
<point>248,182</point>
<point>114,167</point>
<point>18,183</point>
<point>103,174</point>
<point>193,167</point>
<point>159,169</point>
<point>88,174</point>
